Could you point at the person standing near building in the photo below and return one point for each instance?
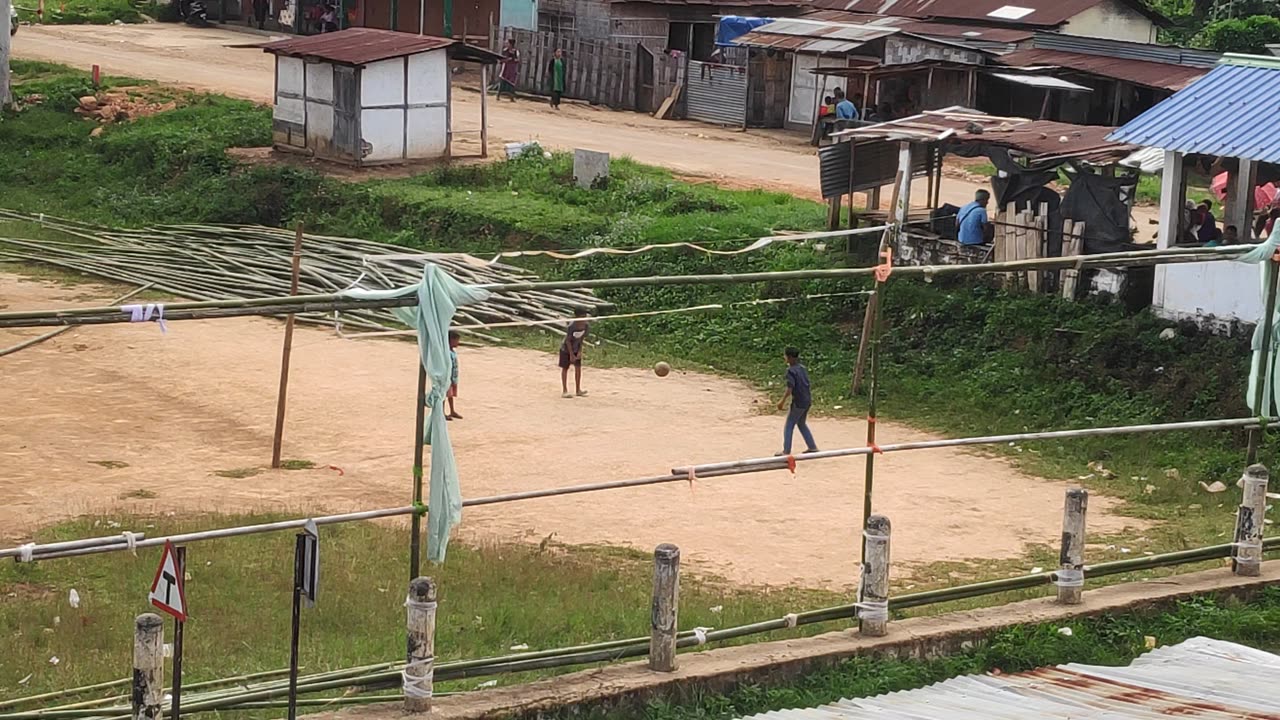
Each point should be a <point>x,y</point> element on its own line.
<point>571,355</point>
<point>845,110</point>
<point>972,220</point>
<point>556,70</point>
<point>510,72</point>
<point>797,380</point>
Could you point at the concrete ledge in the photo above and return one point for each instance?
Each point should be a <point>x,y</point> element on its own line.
<point>775,662</point>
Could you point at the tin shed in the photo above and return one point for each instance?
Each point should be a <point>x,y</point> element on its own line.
<point>368,97</point>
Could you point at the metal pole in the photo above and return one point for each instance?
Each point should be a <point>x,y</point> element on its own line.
<point>180,559</point>
<point>1261,403</point>
<point>419,426</point>
<point>281,399</point>
<point>298,552</point>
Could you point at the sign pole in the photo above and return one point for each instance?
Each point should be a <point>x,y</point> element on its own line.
<point>180,559</point>
<point>298,553</point>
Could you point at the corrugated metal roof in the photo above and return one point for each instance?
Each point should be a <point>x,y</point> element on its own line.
<point>361,46</point>
<point>1038,140</point>
<point>1232,112</point>
<point>1149,74</point>
<point>1168,54</point>
<point>1017,12</point>
<point>1041,81</point>
<point>800,34</point>
<point>1202,678</point>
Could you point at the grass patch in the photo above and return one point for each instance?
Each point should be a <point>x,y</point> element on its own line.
<point>1107,640</point>
<point>139,494</point>
<point>296,465</point>
<point>239,473</point>
<point>82,12</point>
<point>110,464</point>
<point>492,597</point>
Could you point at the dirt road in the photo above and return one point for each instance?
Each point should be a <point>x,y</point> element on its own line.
<point>125,416</point>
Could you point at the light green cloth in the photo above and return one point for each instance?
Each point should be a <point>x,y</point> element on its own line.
<point>1260,255</point>
<point>439,296</point>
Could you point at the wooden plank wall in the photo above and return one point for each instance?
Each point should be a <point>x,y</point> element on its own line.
<point>600,72</point>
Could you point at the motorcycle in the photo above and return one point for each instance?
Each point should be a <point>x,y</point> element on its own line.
<point>193,13</point>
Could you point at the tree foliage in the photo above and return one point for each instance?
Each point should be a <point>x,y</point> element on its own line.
<point>1243,35</point>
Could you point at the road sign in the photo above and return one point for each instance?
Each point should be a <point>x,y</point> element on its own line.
<point>309,582</point>
<point>167,589</point>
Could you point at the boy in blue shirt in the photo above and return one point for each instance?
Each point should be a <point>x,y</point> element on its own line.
<point>452,392</point>
<point>801,399</point>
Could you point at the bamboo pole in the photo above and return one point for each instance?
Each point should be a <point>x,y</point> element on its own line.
<point>55,333</point>
<point>419,427</point>
<point>278,305</point>
<point>678,474</point>
<point>282,398</point>
<point>1261,370</point>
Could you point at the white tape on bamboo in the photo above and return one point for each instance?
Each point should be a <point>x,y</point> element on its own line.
<point>873,584</point>
<point>418,676</point>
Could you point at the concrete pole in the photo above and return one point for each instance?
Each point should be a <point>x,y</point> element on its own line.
<point>148,666</point>
<point>1239,211</point>
<point>1172,199</point>
<point>1250,522</point>
<point>873,588</point>
<point>1071,559</point>
<point>665,620</point>
<point>5,49</point>
<point>418,680</point>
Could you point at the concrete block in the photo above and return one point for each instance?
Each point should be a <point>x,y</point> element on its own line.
<point>589,167</point>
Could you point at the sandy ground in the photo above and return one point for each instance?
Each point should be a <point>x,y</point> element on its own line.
<point>201,58</point>
<point>175,408</point>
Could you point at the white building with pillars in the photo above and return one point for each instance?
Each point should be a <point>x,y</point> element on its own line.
<point>1229,118</point>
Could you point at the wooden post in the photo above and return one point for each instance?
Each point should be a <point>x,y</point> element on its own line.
<point>1250,522</point>
<point>288,350</point>
<point>873,586</point>
<point>665,620</point>
<point>420,669</point>
<point>484,111</point>
<point>1071,246</point>
<point>419,429</point>
<point>1071,558</point>
<point>148,666</point>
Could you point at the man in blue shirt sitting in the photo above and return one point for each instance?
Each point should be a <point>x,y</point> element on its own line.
<point>845,110</point>
<point>972,221</point>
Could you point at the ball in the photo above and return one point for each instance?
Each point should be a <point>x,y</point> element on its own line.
<point>661,369</point>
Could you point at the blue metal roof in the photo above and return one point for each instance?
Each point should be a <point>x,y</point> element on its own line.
<point>1233,111</point>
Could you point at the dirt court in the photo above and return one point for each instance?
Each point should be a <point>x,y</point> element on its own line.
<point>123,416</point>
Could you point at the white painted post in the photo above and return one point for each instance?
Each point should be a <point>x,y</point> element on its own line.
<point>1172,199</point>
<point>1239,211</point>
<point>1071,559</point>
<point>1250,522</point>
<point>665,620</point>
<point>903,193</point>
<point>148,666</point>
<point>419,672</point>
<point>873,586</point>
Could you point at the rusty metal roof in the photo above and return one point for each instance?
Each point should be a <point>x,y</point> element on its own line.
<point>361,46</point>
<point>1140,72</point>
<point>817,36</point>
<point>1018,12</point>
<point>1039,141</point>
<point>1201,678</point>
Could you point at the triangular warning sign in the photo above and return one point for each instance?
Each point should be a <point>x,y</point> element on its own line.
<point>167,589</point>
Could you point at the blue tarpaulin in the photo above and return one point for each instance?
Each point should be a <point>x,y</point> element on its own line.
<point>732,27</point>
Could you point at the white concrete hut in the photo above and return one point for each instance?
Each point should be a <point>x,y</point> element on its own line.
<point>369,97</point>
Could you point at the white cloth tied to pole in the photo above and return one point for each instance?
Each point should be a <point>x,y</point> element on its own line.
<point>146,313</point>
<point>439,297</point>
<point>1261,255</point>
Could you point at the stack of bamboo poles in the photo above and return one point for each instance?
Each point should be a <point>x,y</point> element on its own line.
<point>225,262</point>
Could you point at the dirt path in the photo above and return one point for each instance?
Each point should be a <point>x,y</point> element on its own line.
<point>124,416</point>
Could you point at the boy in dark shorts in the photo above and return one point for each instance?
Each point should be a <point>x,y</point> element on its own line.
<point>801,399</point>
<point>571,354</point>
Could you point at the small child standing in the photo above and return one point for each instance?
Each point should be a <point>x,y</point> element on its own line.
<point>453,375</point>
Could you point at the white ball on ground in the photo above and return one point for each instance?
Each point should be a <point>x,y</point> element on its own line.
<point>661,369</point>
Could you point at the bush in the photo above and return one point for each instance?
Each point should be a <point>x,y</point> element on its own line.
<point>86,12</point>
<point>1242,35</point>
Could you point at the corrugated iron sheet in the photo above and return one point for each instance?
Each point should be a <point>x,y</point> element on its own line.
<point>361,46</point>
<point>1149,74</point>
<point>1201,678</point>
<point>1232,111</point>
<point>716,93</point>
<point>1038,140</point>
<point>1168,54</point>
<point>1042,81</point>
<point>1043,14</point>
<point>812,35</point>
